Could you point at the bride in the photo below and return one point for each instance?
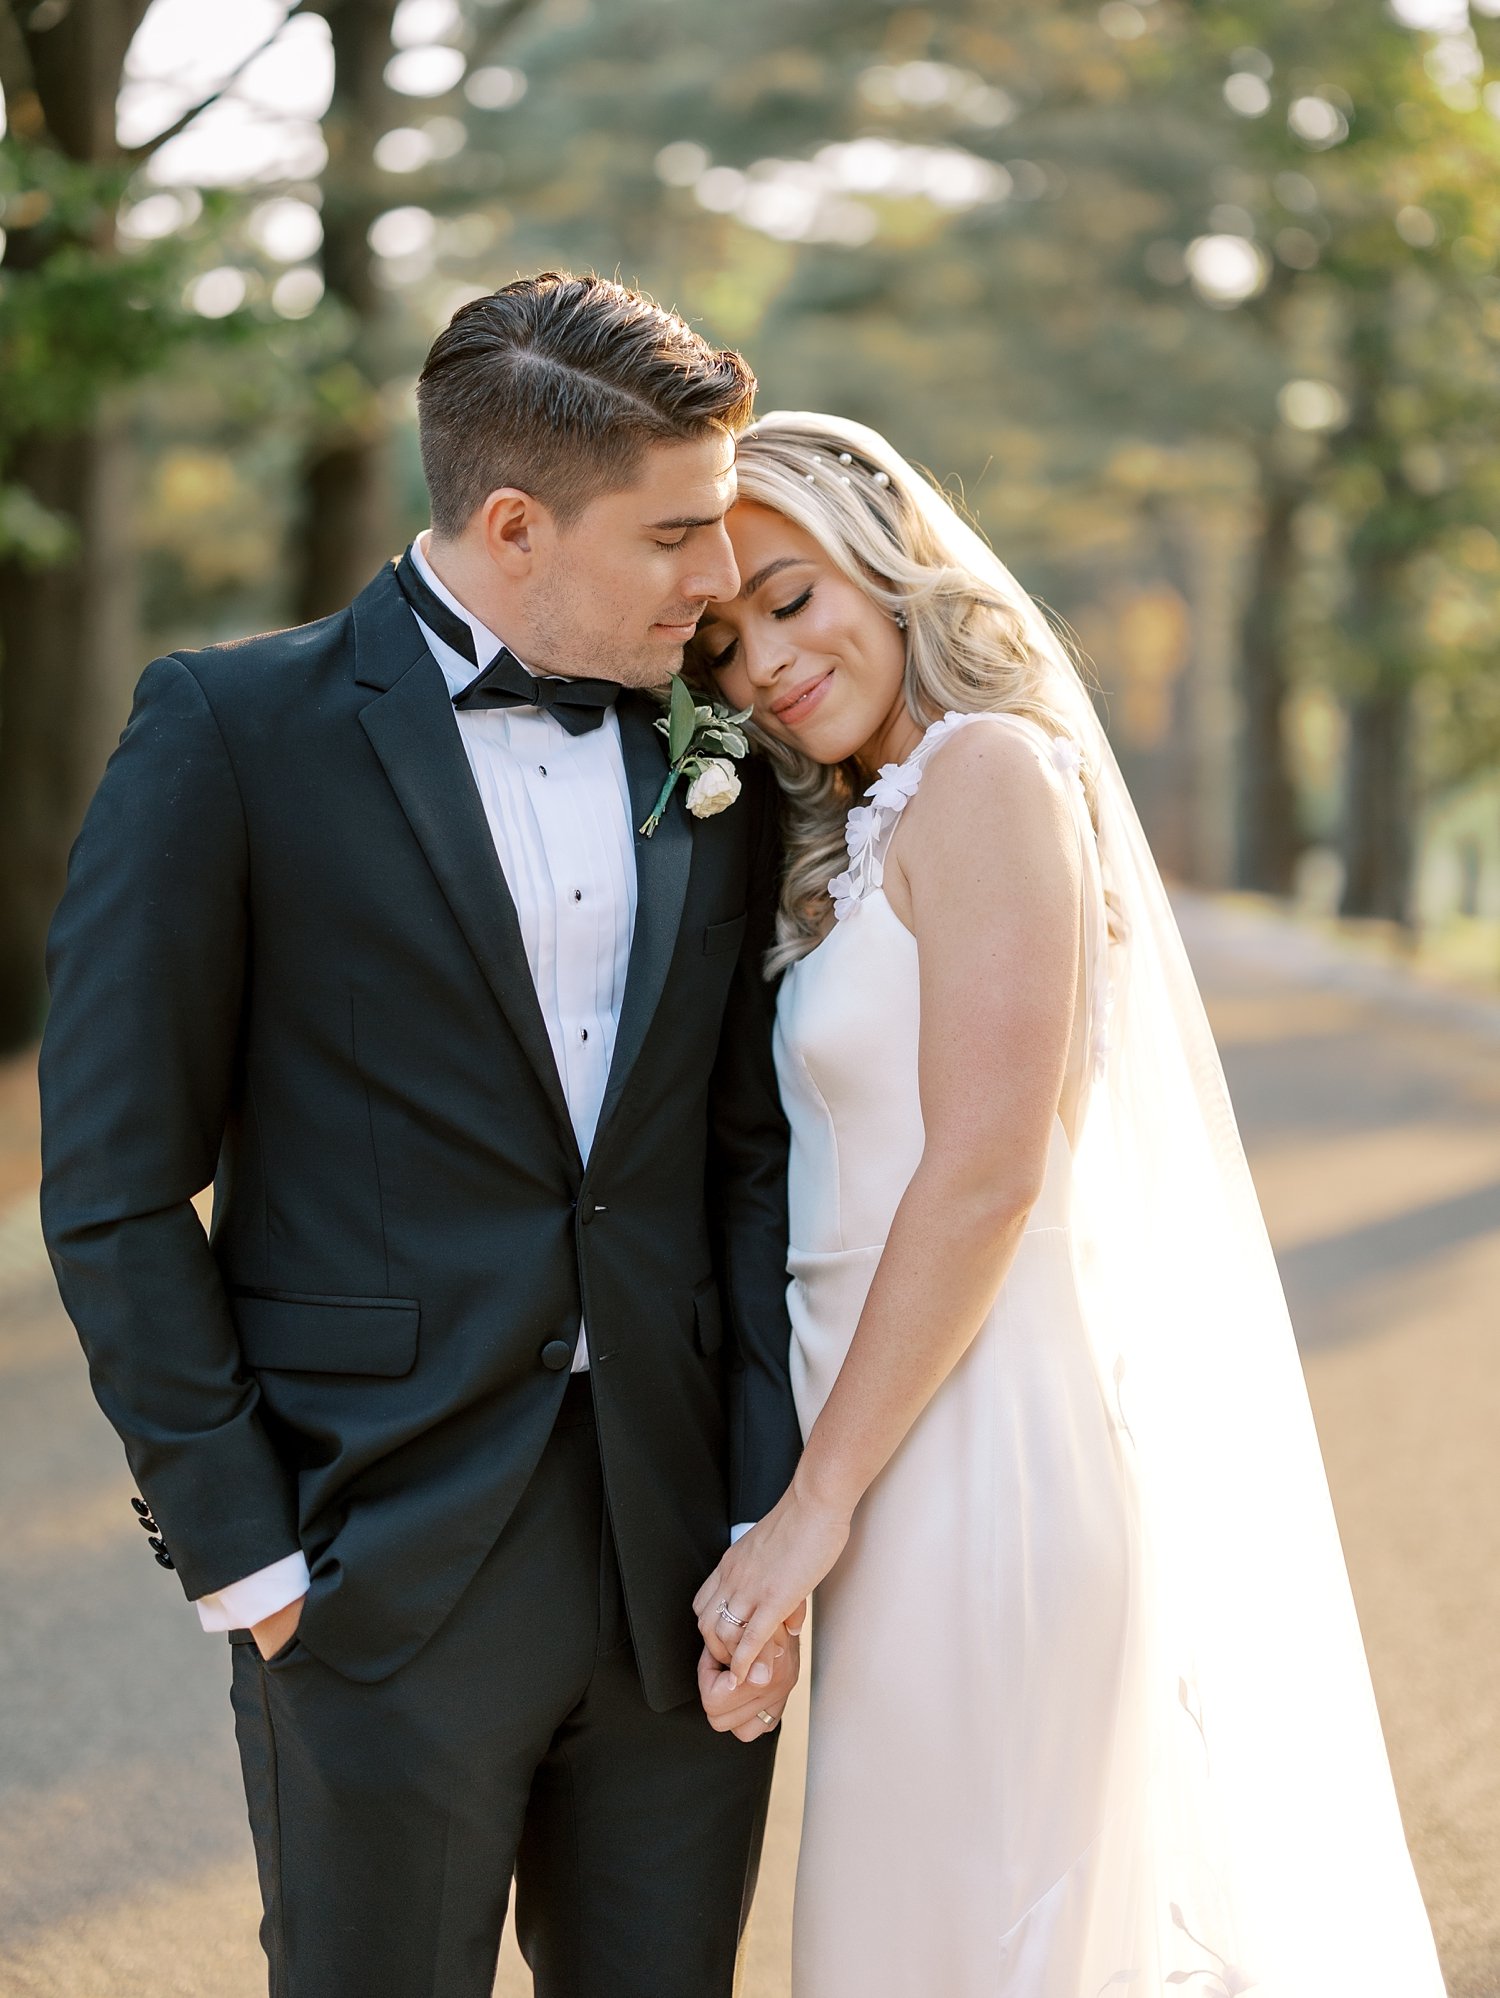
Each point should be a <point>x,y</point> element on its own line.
<point>1090,1711</point>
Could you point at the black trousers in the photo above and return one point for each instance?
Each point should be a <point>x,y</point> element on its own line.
<point>389,1819</point>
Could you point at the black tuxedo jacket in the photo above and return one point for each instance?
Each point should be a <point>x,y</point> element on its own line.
<point>287,960</point>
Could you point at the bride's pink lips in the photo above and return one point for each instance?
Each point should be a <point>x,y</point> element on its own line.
<point>794,709</point>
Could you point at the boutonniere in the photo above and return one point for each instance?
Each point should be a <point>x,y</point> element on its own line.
<point>704,739</point>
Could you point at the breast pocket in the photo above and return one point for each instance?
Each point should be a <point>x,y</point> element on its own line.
<point>724,936</point>
<point>289,1332</point>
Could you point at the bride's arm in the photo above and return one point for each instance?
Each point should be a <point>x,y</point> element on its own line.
<point>985,871</point>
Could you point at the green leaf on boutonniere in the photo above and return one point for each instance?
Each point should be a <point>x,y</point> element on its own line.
<point>725,736</point>
<point>682,719</point>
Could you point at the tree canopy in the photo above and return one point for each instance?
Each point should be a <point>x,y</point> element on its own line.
<point>1193,303</point>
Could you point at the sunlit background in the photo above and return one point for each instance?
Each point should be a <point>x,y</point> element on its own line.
<point>1196,306</point>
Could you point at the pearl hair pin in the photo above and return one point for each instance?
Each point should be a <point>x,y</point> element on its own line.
<point>877,477</point>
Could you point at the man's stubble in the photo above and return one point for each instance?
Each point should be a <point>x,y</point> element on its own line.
<point>573,635</point>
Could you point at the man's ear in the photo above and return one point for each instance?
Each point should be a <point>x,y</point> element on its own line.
<point>512,524</point>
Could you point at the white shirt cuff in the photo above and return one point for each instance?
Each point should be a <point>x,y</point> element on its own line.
<point>246,1603</point>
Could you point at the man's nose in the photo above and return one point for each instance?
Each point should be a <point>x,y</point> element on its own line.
<point>718,576</point>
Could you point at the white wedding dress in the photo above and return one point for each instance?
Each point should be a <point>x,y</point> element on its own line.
<point>1015,1788</point>
<point>967,1648</point>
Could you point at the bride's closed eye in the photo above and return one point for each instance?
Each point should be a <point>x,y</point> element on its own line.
<point>719,660</point>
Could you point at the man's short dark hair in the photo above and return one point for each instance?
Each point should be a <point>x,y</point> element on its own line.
<point>558,385</point>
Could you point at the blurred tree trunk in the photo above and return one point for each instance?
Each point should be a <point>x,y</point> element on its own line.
<point>1379,801</point>
<point>68,659</point>
<point>345,524</point>
<point>67,634</point>
<point>1378,793</point>
<point>1267,837</point>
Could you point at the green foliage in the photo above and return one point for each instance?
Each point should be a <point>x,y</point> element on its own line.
<point>79,317</point>
<point>1052,353</point>
<point>1112,425</point>
<point>76,318</point>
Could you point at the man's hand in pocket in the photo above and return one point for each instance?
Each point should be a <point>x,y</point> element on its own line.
<point>277,1629</point>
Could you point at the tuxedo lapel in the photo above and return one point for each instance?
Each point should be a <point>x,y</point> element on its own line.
<point>412,729</point>
<point>662,866</point>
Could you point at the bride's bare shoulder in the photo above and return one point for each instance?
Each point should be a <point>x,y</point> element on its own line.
<point>990,821</point>
<point>989,772</point>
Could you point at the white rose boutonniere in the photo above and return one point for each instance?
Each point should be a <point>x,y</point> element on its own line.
<point>702,739</point>
<point>716,786</point>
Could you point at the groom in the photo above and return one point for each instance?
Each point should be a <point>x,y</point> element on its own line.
<point>488,1349</point>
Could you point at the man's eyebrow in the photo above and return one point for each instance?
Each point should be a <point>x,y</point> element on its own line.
<point>748,588</point>
<point>685,520</point>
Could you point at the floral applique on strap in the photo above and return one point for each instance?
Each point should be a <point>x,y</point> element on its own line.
<point>868,830</point>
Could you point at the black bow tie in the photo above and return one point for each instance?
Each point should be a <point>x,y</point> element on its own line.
<point>578,705</point>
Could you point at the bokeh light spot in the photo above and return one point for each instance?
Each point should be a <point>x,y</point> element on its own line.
<point>1312,405</point>
<point>218,292</point>
<point>425,72</point>
<point>296,292</point>
<point>1225,270</point>
<point>402,232</point>
<point>289,231</point>
<point>1247,94</point>
<point>495,88</point>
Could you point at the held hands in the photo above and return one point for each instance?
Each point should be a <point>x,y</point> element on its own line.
<point>740,1706</point>
<point>766,1579</point>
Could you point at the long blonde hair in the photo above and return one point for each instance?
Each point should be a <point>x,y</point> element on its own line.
<point>975,642</point>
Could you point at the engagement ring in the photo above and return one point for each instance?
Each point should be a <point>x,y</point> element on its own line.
<point>739,1622</point>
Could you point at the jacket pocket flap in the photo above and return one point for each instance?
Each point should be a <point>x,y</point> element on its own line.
<point>708,1318</point>
<point>724,936</point>
<point>327,1335</point>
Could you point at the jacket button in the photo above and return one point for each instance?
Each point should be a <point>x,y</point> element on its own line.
<point>557,1354</point>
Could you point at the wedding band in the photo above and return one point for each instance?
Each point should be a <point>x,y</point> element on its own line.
<point>739,1622</point>
<point>762,1715</point>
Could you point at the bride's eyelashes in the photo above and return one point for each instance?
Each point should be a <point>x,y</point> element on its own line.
<point>798,604</point>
